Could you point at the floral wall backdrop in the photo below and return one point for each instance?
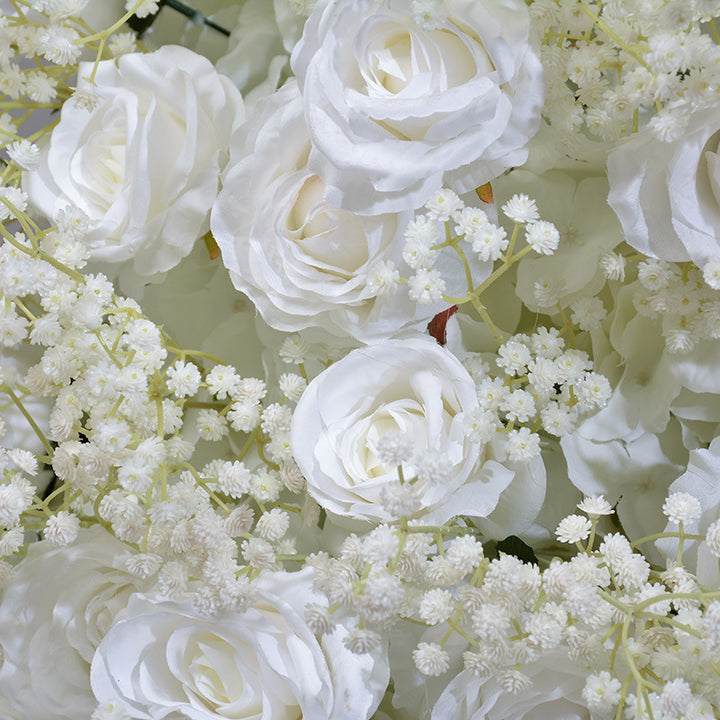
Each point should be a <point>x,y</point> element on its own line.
<point>359,360</point>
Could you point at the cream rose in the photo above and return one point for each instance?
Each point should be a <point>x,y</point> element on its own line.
<point>144,163</point>
<point>398,106</point>
<point>667,194</point>
<point>413,387</point>
<point>303,262</point>
<point>53,614</point>
<point>164,659</point>
<point>556,692</point>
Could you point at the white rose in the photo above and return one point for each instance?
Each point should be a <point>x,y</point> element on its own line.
<point>144,164</point>
<point>303,262</point>
<point>556,692</point>
<point>411,386</point>
<point>397,109</point>
<point>164,659</point>
<point>53,614</point>
<point>667,194</point>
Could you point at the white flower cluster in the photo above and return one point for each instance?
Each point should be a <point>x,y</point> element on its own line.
<point>350,523</point>
<point>617,64</point>
<point>46,31</point>
<point>450,225</point>
<point>604,609</point>
<point>661,627</point>
<point>688,307</point>
<point>393,572</point>
<point>124,423</point>
<point>536,384</point>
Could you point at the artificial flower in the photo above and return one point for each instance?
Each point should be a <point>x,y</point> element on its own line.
<point>143,162</point>
<point>398,106</point>
<point>667,194</point>
<point>408,389</point>
<point>165,658</point>
<point>303,262</point>
<point>61,602</point>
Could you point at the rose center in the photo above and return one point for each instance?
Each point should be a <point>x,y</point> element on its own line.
<point>332,240</point>
<point>102,165</point>
<point>217,678</point>
<point>392,65</point>
<point>397,58</point>
<point>404,416</point>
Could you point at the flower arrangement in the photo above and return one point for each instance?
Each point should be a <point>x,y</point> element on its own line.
<point>360,360</point>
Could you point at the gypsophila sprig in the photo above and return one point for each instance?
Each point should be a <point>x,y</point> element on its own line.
<point>618,67</point>
<point>466,234</point>
<point>120,434</point>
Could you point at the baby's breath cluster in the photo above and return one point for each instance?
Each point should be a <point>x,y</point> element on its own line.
<point>451,230</point>
<point>189,462</point>
<point>682,298</point>
<point>614,66</point>
<point>41,43</point>
<point>647,640</point>
<point>127,409</point>
<point>533,383</point>
<point>395,572</point>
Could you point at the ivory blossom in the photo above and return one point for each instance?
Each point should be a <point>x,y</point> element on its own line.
<point>52,617</point>
<point>165,658</point>
<point>667,194</point>
<point>555,693</point>
<point>411,386</point>
<point>142,157</point>
<point>397,107</point>
<point>303,262</point>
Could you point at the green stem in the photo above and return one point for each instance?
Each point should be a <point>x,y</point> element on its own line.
<point>109,31</point>
<point>6,388</point>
